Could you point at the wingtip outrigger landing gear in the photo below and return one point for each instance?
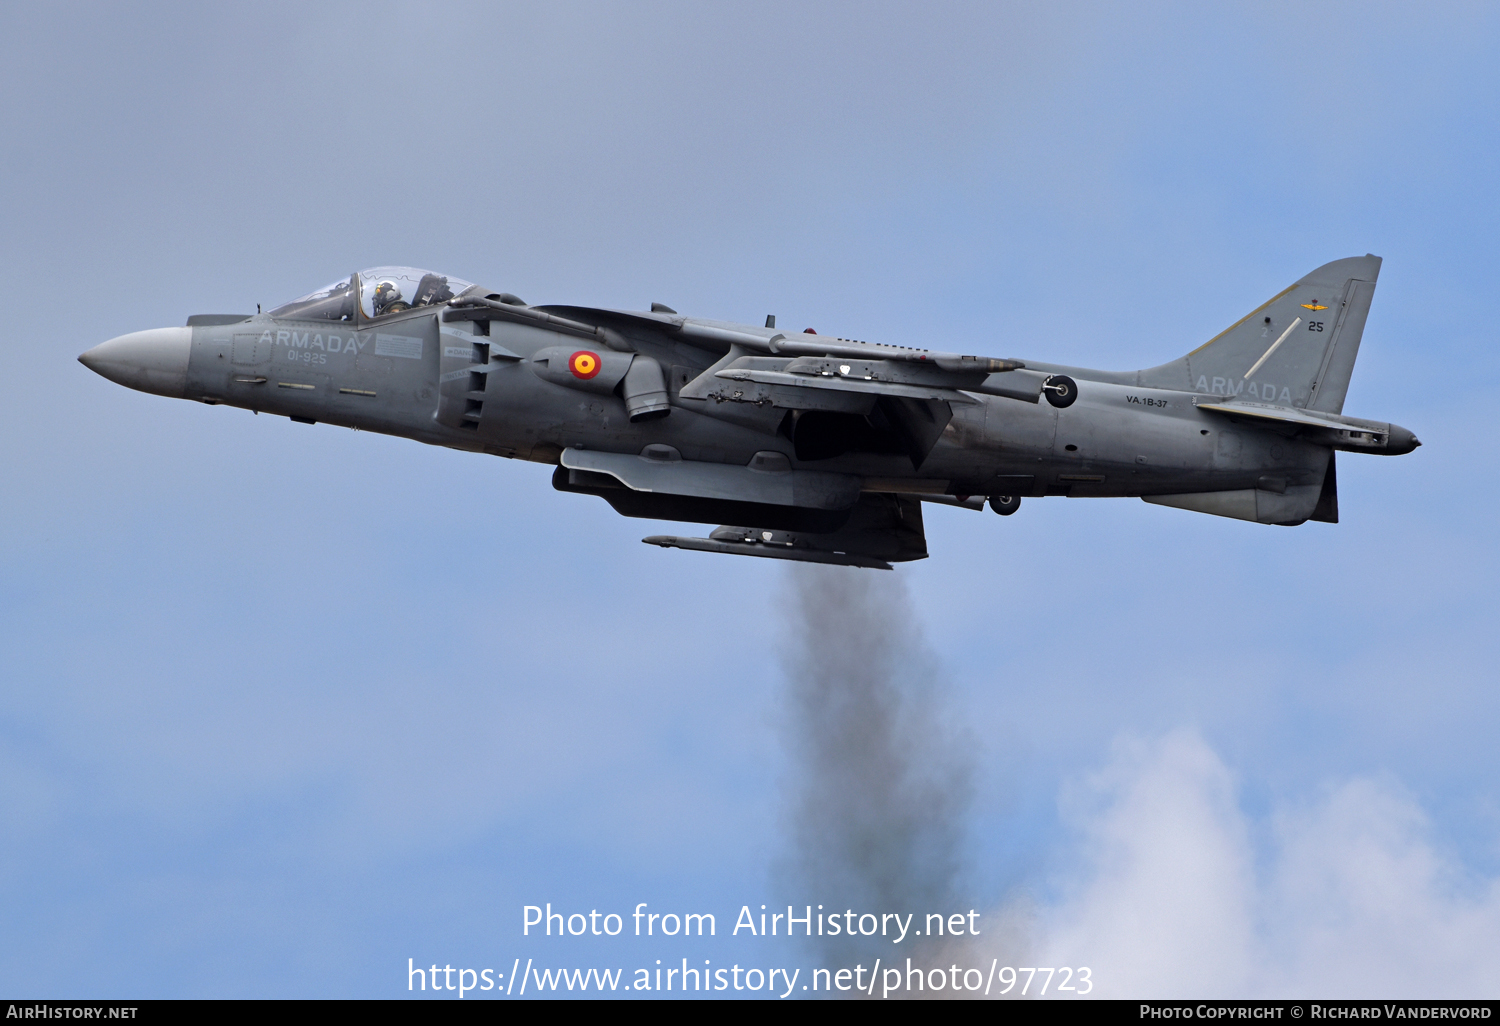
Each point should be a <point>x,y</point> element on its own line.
<point>1060,390</point>
<point>1005,505</point>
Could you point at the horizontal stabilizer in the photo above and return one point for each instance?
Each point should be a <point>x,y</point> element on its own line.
<point>1285,414</point>
<point>1351,434</point>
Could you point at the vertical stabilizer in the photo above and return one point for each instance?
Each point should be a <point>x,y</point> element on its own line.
<point>1296,349</point>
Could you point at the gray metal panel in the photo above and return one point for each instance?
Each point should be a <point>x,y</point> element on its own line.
<point>1338,366</point>
<point>249,350</point>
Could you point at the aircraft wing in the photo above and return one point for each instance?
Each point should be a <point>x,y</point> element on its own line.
<point>906,394</point>
<point>809,354</point>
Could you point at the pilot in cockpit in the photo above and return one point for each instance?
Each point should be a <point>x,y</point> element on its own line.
<point>388,299</point>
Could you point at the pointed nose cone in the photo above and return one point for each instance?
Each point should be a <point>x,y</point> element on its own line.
<point>153,361</point>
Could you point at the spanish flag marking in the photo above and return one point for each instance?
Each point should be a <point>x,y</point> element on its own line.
<point>584,364</point>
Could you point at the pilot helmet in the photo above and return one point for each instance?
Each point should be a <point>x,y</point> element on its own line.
<point>386,293</point>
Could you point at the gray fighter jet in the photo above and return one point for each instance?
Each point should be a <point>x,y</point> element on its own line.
<point>804,446</point>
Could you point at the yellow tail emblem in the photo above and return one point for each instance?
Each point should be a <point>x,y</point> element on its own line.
<point>1313,306</point>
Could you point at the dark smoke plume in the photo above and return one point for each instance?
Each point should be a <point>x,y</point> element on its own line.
<point>881,779</point>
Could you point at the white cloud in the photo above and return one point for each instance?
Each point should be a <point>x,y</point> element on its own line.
<point>1352,898</point>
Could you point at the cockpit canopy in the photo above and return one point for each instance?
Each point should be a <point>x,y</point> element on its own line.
<point>380,291</point>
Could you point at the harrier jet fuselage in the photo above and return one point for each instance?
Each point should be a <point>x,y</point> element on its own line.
<point>803,446</point>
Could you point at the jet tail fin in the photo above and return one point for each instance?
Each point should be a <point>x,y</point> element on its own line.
<point>1296,349</point>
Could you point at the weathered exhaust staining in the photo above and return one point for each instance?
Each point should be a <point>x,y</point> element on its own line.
<point>450,363</point>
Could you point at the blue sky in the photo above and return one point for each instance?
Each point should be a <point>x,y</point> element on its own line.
<point>285,706</point>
